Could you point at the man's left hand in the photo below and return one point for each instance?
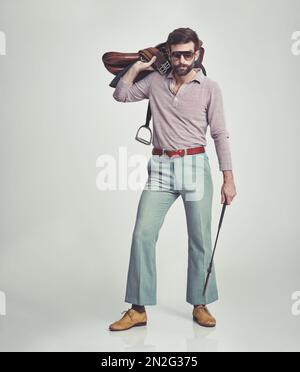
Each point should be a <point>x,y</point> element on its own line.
<point>228,191</point>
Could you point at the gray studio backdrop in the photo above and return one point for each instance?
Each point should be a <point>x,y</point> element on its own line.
<point>65,244</point>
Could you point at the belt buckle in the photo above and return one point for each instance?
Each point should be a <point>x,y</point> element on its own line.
<point>177,152</point>
<point>182,152</point>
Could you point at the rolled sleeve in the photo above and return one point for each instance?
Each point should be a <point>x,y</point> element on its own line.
<point>137,91</point>
<point>218,130</point>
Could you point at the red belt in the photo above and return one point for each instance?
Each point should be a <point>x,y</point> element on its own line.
<point>182,152</point>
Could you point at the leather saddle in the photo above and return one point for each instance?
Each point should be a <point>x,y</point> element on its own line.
<point>119,63</point>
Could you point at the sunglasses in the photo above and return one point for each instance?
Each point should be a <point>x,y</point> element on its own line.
<point>186,54</point>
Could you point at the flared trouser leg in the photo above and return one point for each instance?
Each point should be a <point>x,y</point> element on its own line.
<point>141,277</point>
<point>199,217</point>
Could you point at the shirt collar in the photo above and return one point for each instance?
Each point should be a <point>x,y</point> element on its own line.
<point>198,77</point>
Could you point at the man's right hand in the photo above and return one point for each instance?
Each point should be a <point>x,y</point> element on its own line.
<point>144,66</point>
<point>136,68</point>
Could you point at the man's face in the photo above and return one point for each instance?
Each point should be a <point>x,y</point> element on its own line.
<point>182,64</point>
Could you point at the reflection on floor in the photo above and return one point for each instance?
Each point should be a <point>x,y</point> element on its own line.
<point>242,328</point>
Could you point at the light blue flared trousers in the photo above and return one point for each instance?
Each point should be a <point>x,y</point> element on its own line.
<point>189,177</point>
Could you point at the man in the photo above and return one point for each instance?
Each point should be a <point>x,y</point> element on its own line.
<point>183,104</point>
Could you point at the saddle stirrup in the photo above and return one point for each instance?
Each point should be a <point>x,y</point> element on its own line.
<point>147,127</point>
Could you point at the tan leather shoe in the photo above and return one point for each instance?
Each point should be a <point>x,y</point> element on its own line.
<point>203,317</point>
<point>131,318</point>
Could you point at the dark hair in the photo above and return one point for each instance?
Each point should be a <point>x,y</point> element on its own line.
<point>182,36</point>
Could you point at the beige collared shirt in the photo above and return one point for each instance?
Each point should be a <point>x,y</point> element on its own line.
<point>180,120</point>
